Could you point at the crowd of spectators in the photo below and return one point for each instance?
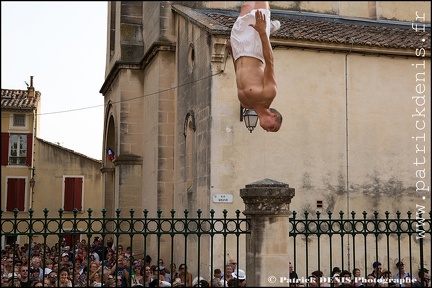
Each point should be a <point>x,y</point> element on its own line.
<point>104,265</point>
<point>378,277</point>
<point>101,265</point>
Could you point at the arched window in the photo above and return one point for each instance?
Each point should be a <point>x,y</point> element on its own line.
<point>189,132</point>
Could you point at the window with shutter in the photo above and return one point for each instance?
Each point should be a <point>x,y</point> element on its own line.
<point>15,194</point>
<point>73,188</point>
<point>17,149</point>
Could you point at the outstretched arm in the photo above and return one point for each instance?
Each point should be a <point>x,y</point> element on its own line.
<point>260,27</point>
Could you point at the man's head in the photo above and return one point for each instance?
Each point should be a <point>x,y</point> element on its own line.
<point>377,266</point>
<point>148,259</point>
<point>313,281</point>
<point>121,262</point>
<point>9,262</point>
<point>233,263</point>
<point>36,262</point>
<point>370,280</point>
<point>228,269</point>
<point>386,274</point>
<point>400,265</point>
<point>423,272</point>
<point>217,273</point>
<point>78,263</point>
<point>24,272</point>
<point>272,121</point>
<point>35,272</point>
<point>290,267</point>
<point>110,242</point>
<point>52,276</point>
<point>346,274</point>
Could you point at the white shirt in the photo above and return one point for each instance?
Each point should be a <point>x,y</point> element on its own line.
<point>402,279</point>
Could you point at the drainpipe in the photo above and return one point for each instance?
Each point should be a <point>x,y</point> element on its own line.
<point>32,180</point>
<point>347,149</point>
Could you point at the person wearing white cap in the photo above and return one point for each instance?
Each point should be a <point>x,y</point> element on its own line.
<point>65,260</point>
<point>196,281</point>
<point>241,276</point>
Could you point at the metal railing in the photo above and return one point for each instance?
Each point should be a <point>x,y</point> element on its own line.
<point>319,244</point>
<point>177,238</point>
<point>206,243</point>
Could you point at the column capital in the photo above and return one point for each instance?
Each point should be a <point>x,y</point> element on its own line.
<point>267,197</point>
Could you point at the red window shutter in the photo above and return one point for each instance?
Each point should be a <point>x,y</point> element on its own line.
<point>20,194</point>
<point>73,194</point>
<point>78,194</point>
<point>15,194</point>
<point>4,149</point>
<point>29,149</point>
<point>11,184</point>
<point>68,197</point>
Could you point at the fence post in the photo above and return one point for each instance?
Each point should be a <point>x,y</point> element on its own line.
<point>267,206</point>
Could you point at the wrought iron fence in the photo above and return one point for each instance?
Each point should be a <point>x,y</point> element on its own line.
<point>320,244</point>
<point>206,243</point>
<point>202,243</point>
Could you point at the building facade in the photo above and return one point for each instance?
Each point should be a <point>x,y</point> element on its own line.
<point>353,82</point>
<point>39,175</point>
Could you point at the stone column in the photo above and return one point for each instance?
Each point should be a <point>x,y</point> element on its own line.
<point>267,205</point>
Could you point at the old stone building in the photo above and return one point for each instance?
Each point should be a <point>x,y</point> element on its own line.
<point>353,87</point>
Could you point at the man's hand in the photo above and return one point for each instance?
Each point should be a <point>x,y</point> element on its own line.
<point>260,22</point>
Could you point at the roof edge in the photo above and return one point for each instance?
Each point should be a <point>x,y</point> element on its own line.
<point>67,150</point>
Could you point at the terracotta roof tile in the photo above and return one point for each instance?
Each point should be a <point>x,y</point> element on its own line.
<point>18,99</point>
<point>331,29</point>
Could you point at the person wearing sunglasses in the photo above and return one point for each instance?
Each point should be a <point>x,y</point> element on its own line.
<point>52,277</point>
<point>24,279</point>
<point>185,275</point>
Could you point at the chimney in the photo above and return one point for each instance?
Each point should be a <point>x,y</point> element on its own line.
<point>31,90</point>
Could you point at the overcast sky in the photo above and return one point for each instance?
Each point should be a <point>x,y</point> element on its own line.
<point>63,45</point>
